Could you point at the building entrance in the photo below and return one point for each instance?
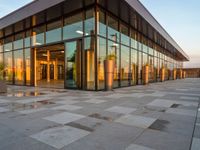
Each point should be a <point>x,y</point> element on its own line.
<point>49,66</point>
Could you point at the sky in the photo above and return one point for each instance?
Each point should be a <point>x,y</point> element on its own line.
<point>180,18</point>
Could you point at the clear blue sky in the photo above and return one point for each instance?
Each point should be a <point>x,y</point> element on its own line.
<point>179,17</point>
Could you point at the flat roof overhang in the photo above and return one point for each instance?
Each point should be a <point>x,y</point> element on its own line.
<point>39,5</point>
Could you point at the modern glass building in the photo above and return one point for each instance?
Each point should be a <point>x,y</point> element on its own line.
<point>63,44</point>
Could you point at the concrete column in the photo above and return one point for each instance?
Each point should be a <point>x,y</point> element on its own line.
<point>48,66</point>
<point>109,74</point>
<point>145,74</point>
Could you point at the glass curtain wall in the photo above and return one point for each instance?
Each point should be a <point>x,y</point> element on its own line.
<point>129,48</point>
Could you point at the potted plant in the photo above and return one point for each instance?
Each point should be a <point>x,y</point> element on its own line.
<point>3,86</point>
<point>109,65</point>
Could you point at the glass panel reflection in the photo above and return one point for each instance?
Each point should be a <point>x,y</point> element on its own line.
<point>8,67</point>
<point>100,58</point>
<point>19,67</point>
<point>125,59</point>
<point>73,27</point>
<point>73,64</point>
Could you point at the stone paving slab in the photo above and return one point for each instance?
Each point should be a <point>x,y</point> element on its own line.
<point>138,147</point>
<point>137,121</point>
<point>163,141</point>
<point>60,136</point>
<point>159,116</point>
<point>64,118</point>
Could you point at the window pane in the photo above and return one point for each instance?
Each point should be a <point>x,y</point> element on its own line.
<point>8,44</point>
<point>113,51</point>
<point>27,40</point>
<point>101,23</point>
<point>90,23</point>
<point>125,61</point>
<point>89,63</point>
<point>54,32</point>
<point>19,67</point>
<point>113,33</point>
<point>7,47</point>
<point>133,39</point>
<point>1,46</point>
<point>38,36</point>
<point>101,57</point>
<point>133,66</point>
<point>1,65</point>
<point>28,65</point>
<point>125,35</point>
<point>18,43</point>
<point>73,27</point>
<point>8,67</point>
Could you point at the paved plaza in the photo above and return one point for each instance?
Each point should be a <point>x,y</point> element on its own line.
<point>159,116</point>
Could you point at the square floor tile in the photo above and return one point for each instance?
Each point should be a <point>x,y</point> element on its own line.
<point>4,101</point>
<point>3,110</point>
<point>66,102</point>
<point>161,103</point>
<point>30,111</point>
<point>95,101</point>
<point>189,98</point>
<point>137,147</point>
<point>182,112</point>
<point>121,110</point>
<point>195,144</point>
<point>64,118</point>
<point>138,121</point>
<point>60,136</point>
<point>67,107</point>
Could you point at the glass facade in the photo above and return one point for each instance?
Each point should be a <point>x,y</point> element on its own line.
<point>88,36</point>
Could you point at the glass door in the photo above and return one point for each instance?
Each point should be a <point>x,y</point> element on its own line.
<point>73,64</point>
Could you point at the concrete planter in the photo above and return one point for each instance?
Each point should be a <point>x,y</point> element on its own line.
<point>145,74</point>
<point>109,74</point>
<point>3,86</point>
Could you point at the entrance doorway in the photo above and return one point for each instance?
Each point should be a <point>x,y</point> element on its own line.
<point>79,64</point>
<point>49,66</point>
<point>73,61</point>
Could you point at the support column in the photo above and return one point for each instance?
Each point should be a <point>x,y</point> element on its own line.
<point>180,74</point>
<point>35,67</point>
<point>162,74</point>
<point>48,66</point>
<point>145,74</point>
<point>184,74</point>
<point>56,69</point>
<point>174,74</point>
